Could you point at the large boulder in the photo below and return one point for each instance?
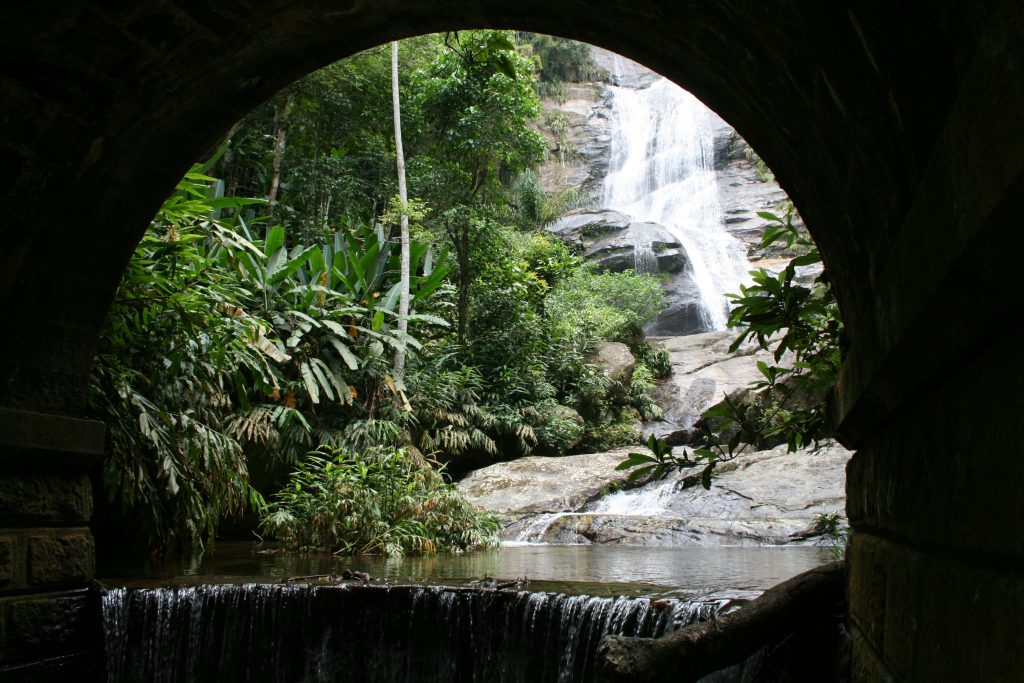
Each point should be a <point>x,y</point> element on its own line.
<point>644,247</point>
<point>537,485</point>
<point>583,228</point>
<point>684,312</point>
<point>615,242</point>
<point>703,372</point>
<point>616,362</point>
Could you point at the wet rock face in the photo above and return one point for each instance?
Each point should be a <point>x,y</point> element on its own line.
<point>767,497</point>
<point>616,241</point>
<point>743,191</point>
<point>703,371</point>
<point>577,131</point>
<point>611,240</point>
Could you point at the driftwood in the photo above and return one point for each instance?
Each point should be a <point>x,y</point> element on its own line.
<point>811,598</point>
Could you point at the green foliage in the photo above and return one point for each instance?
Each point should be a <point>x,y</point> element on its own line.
<point>379,502</point>
<point>761,170</point>
<point>661,462</point>
<point>790,404</point>
<point>561,59</point>
<point>795,396</point>
<point>170,360</point>
<point>470,111</point>
<point>639,393</point>
<point>836,531</point>
<point>615,430</point>
<point>533,207</point>
<point>657,359</point>
<point>221,347</point>
<point>603,306</point>
<point>558,428</point>
<point>450,417</point>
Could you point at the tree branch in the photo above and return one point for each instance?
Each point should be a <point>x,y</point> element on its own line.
<point>700,649</point>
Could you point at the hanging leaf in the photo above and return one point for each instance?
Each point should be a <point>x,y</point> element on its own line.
<point>310,381</point>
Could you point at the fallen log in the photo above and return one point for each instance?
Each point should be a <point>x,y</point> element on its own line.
<point>811,599</point>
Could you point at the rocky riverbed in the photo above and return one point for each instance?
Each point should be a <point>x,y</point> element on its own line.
<point>769,497</point>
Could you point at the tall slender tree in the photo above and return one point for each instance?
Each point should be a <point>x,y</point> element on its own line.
<point>403,197</point>
<point>281,122</point>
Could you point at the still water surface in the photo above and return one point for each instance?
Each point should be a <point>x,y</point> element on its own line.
<point>736,572</point>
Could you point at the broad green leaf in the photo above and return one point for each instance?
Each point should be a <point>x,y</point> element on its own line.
<point>275,240</point>
<point>321,377</point>
<point>346,355</point>
<point>705,476</point>
<point>310,381</point>
<point>285,269</point>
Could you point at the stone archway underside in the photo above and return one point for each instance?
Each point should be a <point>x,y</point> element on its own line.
<point>895,129</point>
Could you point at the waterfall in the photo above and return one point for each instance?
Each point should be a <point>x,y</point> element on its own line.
<point>644,258</point>
<point>369,633</point>
<point>651,500</point>
<point>662,170</point>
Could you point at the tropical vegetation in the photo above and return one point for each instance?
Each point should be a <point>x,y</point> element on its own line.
<point>250,354</point>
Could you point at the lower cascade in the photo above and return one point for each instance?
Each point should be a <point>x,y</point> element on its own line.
<point>272,632</point>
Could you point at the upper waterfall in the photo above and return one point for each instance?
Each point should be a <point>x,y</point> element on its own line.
<point>662,170</point>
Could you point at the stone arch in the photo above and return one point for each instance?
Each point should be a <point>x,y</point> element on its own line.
<point>114,129</point>
<point>892,128</point>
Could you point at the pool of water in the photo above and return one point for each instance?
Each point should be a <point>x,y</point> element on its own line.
<point>713,572</point>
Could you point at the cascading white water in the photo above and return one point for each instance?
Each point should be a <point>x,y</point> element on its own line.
<point>644,258</point>
<point>662,170</point>
<point>651,500</point>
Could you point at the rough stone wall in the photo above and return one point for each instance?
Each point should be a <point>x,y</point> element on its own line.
<point>936,588</point>
<point>893,126</point>
<point>47,628</point>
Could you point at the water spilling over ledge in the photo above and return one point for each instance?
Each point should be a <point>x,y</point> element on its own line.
<point>274,632</point>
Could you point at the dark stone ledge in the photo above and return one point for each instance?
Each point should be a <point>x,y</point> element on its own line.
<point>35,441</point>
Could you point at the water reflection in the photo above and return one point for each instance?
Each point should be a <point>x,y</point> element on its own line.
<point>589,569</point>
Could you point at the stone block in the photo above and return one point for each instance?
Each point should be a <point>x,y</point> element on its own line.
<point>48,626</point>
<point>44,499</point>
<point>60,556</point>
<point>867,588</point>
<point>946,472</point>
<point>927,615</point>
<point>8,553</point>
<point>865,666</point>
<point>43,434</point>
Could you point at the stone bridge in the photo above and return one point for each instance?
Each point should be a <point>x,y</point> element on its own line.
<point>895,127</point>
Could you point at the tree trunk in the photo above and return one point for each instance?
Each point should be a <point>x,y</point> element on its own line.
<point>279,138</point>
<point>460,239</point>
<point>807,602</point>
<point>403,299</point>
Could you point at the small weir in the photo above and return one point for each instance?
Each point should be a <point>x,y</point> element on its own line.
<point>279,632</point>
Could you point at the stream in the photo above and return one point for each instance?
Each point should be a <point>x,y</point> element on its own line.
<point>233,617</point>
<point>603,570</point>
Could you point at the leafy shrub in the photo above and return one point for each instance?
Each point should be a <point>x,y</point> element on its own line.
<point>656,358</point>
<point>378,503</point>
<point>170,359</point>
<point>639,393</point>
<point>620,431</point>
<point>795,408</point>
<point>562,59</point>
<point>558,428</point>
<point>603,306</point>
